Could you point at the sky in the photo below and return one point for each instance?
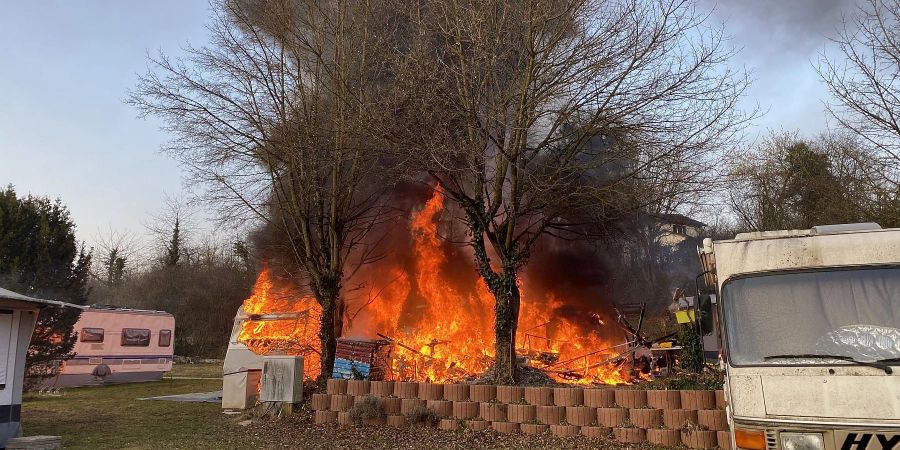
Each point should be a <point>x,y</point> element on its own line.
<point>66,66</point>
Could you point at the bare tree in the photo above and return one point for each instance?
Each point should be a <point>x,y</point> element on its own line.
<point>865,81</point>
<point>273,118</point>
<point>788,182</point>
<point>118,252</point>
<point>553,117</point>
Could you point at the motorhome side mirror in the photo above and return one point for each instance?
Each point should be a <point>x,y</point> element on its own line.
<point>706,315</point>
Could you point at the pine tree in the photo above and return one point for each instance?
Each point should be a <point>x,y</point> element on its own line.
<point>173,249</point>
<point>40,257</point>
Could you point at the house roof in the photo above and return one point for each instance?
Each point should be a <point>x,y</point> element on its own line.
<point>679,220</point>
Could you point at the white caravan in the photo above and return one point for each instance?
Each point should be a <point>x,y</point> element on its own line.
<point>811,329</point>
<point>118,345</point>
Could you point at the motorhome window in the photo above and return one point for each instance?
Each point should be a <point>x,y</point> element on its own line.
<point>92,335</point>
<point>165,338</point>
<point>850,313</point>
<point>135,337</point>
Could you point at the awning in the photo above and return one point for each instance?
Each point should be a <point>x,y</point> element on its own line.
<point>6,294</point>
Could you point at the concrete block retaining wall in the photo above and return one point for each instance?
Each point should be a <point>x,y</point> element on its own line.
<point>695,419</point>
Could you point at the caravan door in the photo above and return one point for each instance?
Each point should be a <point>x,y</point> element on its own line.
<point>6,337</point>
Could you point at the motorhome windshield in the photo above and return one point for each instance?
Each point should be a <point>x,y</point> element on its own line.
<point>775,319</point>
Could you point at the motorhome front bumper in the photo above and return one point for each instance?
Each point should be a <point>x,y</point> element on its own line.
<point>815,436</point>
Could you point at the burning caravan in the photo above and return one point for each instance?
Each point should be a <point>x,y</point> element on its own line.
<point>118,345</point>
<point>287,333</point>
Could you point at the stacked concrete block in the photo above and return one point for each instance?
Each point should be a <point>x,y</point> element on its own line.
<point>568,396</point>
<point>341,402</point>
<point>581,415</point>
<point>456,392</point>
<point>550,415</point>
<point>396,421</point>
<point>670,418</point>
<point>441,408</point>
<point>407,405</point>
<point>539,396</point>
<point>724,439</point>
<point>677,419</point>
<point>599,398</point>
<point>698,400</point>
<point>534,428</point>
<point>699,439</point>
<point>612,417</point>
<point>664,399</point>
<point>564,430</point>
<point>336,386</point>
<point>406,389</point>
<point>482,393</point>
<point>381,388</point>
<point>664,437</point>
<point>631,398</point>
<point>321,417</point>
<point>595,432</point>
<point>521,413</point>
<point>645,418</point>
<point>320,402</point>
<point>478,425</point>
<point>465,410</point>
<point>431,391</point>
<point>493,412</point>
<point>712,419</point>
<point>510,394</point>
<point>358,387</point>
<point>630,435</point>
<point>505,427</point>
<point>448,424</point>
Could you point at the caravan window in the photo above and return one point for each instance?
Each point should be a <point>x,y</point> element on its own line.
<point>92,335</point>
<point>165,338</point>
<point>135,337</point>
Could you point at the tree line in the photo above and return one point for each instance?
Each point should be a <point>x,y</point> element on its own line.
<point>546,119</point>
<point>541,120</point>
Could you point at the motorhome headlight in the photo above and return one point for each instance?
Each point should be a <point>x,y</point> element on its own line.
<point>802,441</point>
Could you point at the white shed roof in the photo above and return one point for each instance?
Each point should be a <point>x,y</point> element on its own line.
<point>6,294</point>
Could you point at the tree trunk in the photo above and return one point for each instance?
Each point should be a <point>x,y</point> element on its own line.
<point>506,321</point>
<point>330,328</point>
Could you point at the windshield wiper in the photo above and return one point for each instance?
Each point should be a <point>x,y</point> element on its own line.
<point>889,360</point>
<point>876,364</point>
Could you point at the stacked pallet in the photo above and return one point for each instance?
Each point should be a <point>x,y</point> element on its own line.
<point>359,358</point>
<point>695,419</point>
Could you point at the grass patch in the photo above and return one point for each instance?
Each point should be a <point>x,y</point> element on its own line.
<point>112,417</point>
<point>202,370</point>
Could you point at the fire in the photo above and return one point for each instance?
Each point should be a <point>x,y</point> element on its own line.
<point>279,322</point>
<point>443,328</point>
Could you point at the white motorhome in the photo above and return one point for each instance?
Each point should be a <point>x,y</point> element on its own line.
<point>811,329</point>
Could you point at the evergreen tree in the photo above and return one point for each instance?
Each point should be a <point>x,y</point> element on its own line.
<point>114,264</point>
<point>173,248</point>
<point>40,257</point>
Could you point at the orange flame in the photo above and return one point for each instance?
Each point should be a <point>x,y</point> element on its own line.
<point>280,323</point>
<point>443,332</point>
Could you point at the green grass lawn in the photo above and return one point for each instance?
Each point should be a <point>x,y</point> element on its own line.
<point>112,417</point>
<point>202,370</point>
